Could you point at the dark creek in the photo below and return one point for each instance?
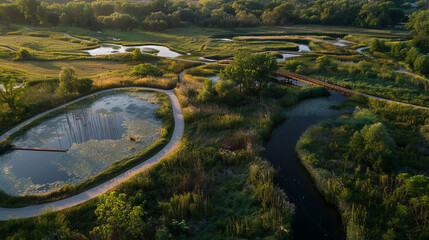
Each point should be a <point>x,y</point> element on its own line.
<point>314,217</point>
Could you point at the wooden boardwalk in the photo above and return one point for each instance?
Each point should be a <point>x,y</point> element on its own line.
<point>313,81</point>
<point>39,149</point>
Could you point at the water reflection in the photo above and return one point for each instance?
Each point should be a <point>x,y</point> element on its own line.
<point>108,48</point>
<point>97,134</point>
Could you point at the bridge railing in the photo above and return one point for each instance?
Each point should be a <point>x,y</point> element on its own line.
<point>315,82</point>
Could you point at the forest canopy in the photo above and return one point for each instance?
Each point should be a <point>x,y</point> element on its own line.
<point>162,14</point>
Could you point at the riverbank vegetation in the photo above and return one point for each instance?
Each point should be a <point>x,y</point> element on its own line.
<point>373,165</point>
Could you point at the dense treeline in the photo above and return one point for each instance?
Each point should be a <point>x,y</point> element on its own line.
<point>162,14</point>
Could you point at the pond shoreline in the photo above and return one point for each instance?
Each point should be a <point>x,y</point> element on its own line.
<point>155,153</point>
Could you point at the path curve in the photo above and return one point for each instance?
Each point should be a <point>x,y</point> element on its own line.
<point>360,50</point>
<point>70,36</point>
<point>34,210</point>
<point>393,101</point>
<point>10,48</point>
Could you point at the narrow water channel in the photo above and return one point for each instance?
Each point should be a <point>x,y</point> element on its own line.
<point>314,217</point>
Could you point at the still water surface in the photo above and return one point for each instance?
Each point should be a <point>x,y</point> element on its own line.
<point>97,134</point>
<point>108,48</point>
<point>314,218</point>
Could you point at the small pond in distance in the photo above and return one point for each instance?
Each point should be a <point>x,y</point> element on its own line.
<point>97,134</point>
<point>108,48</point>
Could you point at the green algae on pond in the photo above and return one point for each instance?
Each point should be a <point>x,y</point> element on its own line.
<point>97,133</point>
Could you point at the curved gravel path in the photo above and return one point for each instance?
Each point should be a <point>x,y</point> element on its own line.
<point>30,211</point>
<point>10,48</point>
<point>70,36</point>
<point>360,50</point>
<point>393,101</point>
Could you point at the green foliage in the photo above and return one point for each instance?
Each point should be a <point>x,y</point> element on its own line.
<point>419,26</point>
<point>380,14</point>
<point>22,54</point>
<point>378,45</point>
<point>250,71</point>
<point>146,69</point>
<point>399,50</point>
<point>224,88</point>
<point>342,155</point>
<point>292,65</point>
<point>31,10</point>
<point>206,93</point>
<point>137,54</point>
<point>10,91</point>
<point>68,81</point>
<point>421,65</point>
<point>121,21</point>
<point>377,147</point>
<point>324,63</point>
<point>117,219</point>
<point>84,85</point>
<point>412,56</point>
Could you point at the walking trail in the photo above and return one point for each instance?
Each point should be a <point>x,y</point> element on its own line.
<point>30,211</point>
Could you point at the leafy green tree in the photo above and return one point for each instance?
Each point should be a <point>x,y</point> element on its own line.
<point>224,88</point>
<point>78,13</point>
<point>10,91</point>
<point>379,147</point>
<point>419,27</point>
<point>137,54</point>
<point>423,3</point>
<point>412,56</point>
<point>399,50</point>
<point>269,18</point>
<point>117,219</point>
<point>324,63</point>
<point>10,13</point>
<point>376,14</point>
<point>84,85</point>
<point>421,65</point>
<point>146,69</point>
<point>378,45</point>
<point>291,65</point>
<point>102,8</point>
<point>247,19</point>
<point>284,13</point>
<point>31,9</point>
<point>68,80</point>
<point>22,54</point>
<point>250,71</point>
<point>207,92</point>
<point>121,21</point>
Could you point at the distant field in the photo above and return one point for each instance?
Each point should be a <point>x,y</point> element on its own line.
<point>38,43</point>
<point>195,40</point>
<point>205,41</point>
<point>84,68</point>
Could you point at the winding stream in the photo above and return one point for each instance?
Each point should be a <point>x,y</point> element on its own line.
<point>314,217</point>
